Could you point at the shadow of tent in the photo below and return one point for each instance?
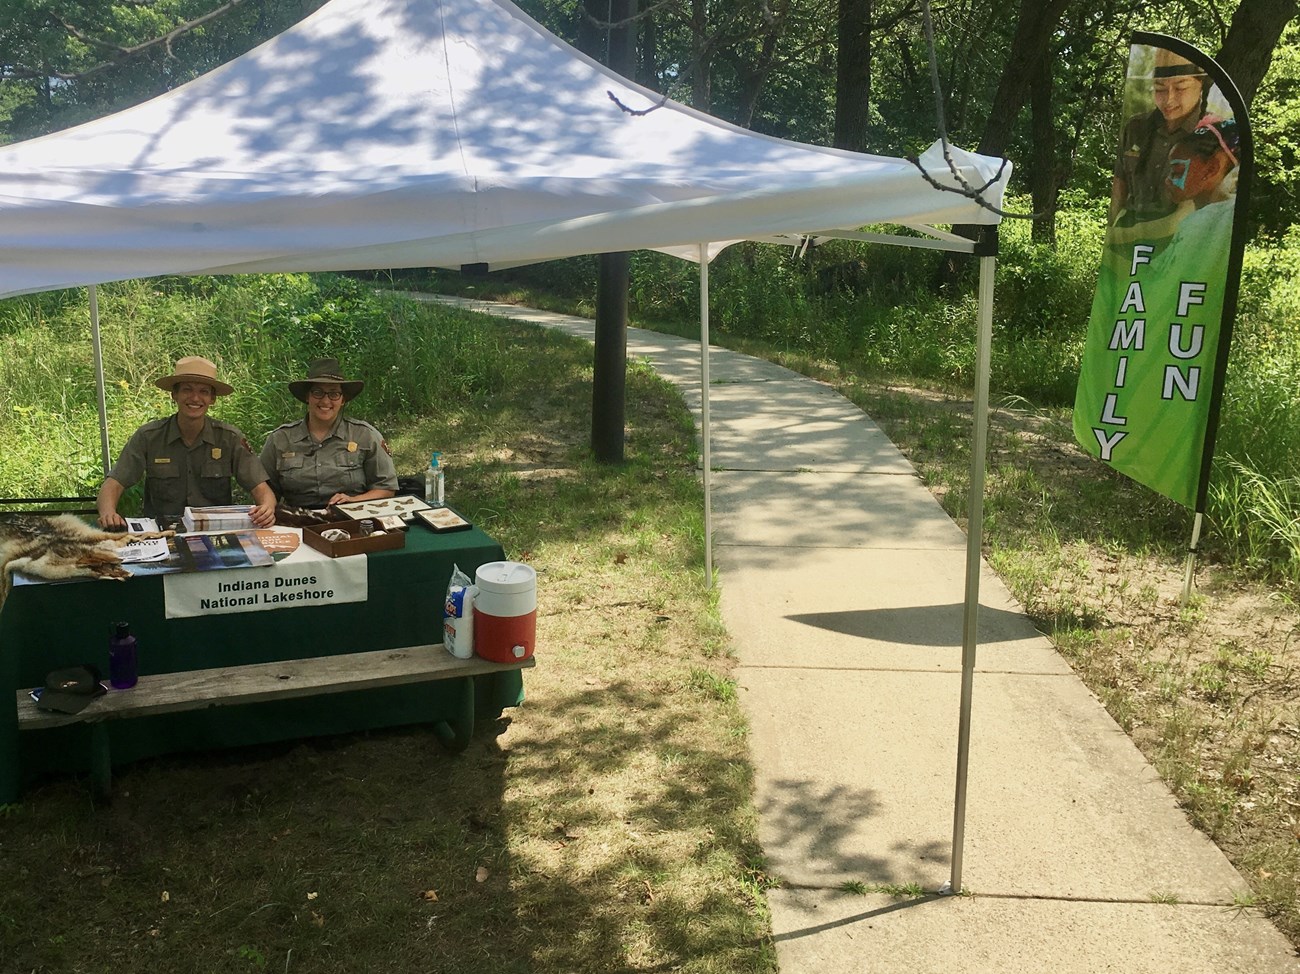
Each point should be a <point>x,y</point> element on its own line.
<point>921,625</point>
<point>858,917</point>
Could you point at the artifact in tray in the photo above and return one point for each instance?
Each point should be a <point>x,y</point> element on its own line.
<point>402,506</point>
<point>341,538</point>
<point>442,519</point>
<point>290,516</point>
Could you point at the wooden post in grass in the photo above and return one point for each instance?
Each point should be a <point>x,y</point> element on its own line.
<point>608,383</point>
<point>609,370</point>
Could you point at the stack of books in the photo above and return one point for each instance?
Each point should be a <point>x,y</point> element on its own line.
<point>228,517</point>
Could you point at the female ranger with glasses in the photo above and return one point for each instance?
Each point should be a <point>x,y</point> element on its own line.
<point>327,458</point>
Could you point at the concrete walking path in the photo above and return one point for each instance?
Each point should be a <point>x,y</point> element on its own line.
<point>842,588</point>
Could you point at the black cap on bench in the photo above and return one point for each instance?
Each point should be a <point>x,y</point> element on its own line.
<point>69,691</point>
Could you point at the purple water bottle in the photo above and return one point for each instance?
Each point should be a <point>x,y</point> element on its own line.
<point>121,658</point>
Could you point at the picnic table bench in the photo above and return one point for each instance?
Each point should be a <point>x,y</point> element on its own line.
<point>168,693</point>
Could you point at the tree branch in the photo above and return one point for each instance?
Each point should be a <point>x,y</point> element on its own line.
<point>966,189</point>
<point>119,53</point>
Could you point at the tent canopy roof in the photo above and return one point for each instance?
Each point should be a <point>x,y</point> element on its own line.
<point>392,133</point>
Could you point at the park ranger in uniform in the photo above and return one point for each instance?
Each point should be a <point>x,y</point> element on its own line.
<point>325,457</point>
<point>188,458</point>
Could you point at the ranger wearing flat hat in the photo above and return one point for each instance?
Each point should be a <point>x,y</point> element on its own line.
<point>187,459</point>
<point>1180,90</point>
<point>325,457</point>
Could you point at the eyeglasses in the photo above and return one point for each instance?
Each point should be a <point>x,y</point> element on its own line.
<point>326,393</point>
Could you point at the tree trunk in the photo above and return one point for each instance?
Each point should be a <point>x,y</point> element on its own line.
<point>853,74</point>
<point>590,38</point>
<point>609,367</point>
<point>701,82</point>
<point>1248,49</point>
<point>1042,165</point>
<point>647,71</point>
<point>1030,46</point>
<point>1030,49</point>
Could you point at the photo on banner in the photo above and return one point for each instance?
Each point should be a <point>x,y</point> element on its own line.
<point>1151,374</point>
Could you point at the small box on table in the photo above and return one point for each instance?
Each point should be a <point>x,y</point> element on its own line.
<point>356,542</point>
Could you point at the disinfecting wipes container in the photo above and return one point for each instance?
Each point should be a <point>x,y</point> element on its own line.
<point>458,622</point>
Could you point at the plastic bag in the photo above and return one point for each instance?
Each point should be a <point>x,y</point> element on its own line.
<point>458,615</point>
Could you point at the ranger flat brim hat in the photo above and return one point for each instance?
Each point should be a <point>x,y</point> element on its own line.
<point>193,368</point>
<point>325,370</point>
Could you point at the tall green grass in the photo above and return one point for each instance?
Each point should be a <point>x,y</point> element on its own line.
<point>261,332</point>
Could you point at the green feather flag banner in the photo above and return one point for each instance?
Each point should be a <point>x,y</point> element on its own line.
<point>1151,378</point>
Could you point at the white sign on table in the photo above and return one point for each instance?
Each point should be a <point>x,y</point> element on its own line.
<point>305,577</point>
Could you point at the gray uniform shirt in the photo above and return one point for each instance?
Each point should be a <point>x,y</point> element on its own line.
<point>1143,163</point>
<point>177,476</point>
<point>352,459</point>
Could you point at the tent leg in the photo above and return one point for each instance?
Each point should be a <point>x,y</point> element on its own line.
<point>974,538</point>
<point>93,294</point>
<point>704,414</point>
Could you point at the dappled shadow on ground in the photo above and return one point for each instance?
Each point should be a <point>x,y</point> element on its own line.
<point>820,826</point>
<point>322,855</point>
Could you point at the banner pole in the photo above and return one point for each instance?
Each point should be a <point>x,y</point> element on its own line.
<point>1191,557</point>
<point>974,539</point>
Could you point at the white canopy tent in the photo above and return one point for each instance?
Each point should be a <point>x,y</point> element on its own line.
<point>406,133</point>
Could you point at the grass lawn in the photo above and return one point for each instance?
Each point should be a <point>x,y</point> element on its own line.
<point>606,825</point>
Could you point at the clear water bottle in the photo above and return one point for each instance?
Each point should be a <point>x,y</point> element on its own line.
<point>433,481</point>
<point>122,668</point>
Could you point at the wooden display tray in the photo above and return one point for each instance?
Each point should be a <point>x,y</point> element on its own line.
<point>443,519</point>
<point>402,506</point>
<point>357,543</point>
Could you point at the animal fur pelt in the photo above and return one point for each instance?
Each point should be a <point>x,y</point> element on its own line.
<point>59,547</point>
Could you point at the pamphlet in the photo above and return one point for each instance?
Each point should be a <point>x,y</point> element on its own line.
<point>143,549</point>
<point>206,552</point>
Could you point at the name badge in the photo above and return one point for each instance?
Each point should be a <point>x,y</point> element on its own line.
<point>352,446</point>
<point>288,453</point>
<point>216,453</point>
<point>162,459</point>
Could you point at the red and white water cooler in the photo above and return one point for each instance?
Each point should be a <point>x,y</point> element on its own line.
<point>505,611</point>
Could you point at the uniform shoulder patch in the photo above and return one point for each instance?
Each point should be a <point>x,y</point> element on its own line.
<point>384,443</point>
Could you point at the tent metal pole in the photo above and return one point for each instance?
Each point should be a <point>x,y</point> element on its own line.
<point>704,414</point>
<point>93,293</point>
<point>974,537</point>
